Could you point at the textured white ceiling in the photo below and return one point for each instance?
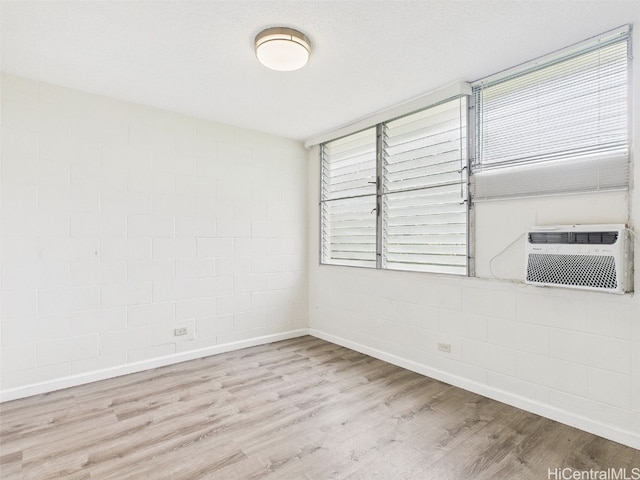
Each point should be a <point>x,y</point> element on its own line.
<point>196,56</point>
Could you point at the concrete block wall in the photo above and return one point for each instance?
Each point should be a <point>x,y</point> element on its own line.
<point>570,355</point>
<point>121,223</point>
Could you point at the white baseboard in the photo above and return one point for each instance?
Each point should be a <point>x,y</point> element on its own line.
<point>83,378</point>
<point>622,436</point>
<point>617,435</point>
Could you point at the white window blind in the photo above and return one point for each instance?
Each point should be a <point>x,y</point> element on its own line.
<point>394,196</point>
<point>424,190</point>
<point>348,200</point>
<point>557,126</point>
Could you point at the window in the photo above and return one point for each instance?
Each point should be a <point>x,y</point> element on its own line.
<point>559,125</point>
<point>394,195</point>
<point>349,200</point>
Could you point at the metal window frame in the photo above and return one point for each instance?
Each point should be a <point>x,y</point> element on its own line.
<point>380,144</point>
<point>619,34</point>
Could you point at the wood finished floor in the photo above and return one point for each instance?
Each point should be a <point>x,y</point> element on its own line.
<point>297,409</point>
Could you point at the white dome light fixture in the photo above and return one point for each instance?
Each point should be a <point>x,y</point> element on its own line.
<point>283,49</point>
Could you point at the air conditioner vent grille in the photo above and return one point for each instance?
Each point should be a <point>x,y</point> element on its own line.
<point>593,271</point>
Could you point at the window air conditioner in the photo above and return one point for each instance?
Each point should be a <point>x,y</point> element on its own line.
<point>588,257</point>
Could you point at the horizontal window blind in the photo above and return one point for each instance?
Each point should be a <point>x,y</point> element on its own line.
<point>560,126</point>
<point>348,200</point>
<point>424,190</point>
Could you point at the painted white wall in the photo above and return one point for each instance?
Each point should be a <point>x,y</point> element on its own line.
<point>121,223</point>
<point>567,354</point>
<point>570,355</point>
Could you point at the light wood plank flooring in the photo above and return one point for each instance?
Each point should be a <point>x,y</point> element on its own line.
<point>297,409</point>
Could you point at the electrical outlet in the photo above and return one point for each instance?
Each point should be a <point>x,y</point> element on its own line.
<point>180,331</point>
<point>444,347</point>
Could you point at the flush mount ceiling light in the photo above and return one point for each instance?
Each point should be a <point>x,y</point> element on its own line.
<point>283,49</point>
